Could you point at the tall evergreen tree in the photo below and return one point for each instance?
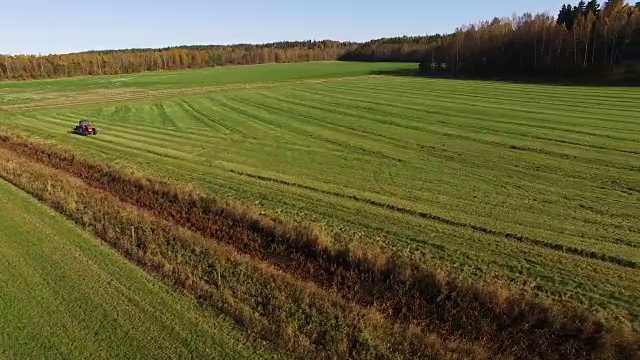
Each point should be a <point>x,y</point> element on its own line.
<point>561,15</point>
<point>569,17</point>
<point>593,6</point>
<point>580,9</point>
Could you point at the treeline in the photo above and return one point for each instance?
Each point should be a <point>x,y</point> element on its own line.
<point>21,67</point>
<point>583,39</point>
<point>397,49</point>
<point>586,38</point>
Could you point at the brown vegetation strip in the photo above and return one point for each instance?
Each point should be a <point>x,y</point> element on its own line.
<point>298,317</point>
<point>507,235</point>
<point>408,292</point>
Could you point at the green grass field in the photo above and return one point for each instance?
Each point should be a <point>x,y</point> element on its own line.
<point>24,92</point>
<point>447,169</point>
<point>65,295</point>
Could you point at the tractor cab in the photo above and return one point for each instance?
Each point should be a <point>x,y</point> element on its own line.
<point>85,125</point>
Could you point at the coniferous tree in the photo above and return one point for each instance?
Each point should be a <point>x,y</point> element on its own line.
<point>562,15</point>
<point>579,10</point>
<point>594,7</point>
<point>567,16</point>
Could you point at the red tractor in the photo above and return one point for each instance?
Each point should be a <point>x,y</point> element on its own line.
<point>84,128</point>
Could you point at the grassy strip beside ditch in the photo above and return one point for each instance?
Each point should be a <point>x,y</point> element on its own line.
<point>426,299</point>
<point>297,316</point>
<point>64,295</point>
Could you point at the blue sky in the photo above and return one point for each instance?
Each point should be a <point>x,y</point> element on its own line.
<point>44,26</point>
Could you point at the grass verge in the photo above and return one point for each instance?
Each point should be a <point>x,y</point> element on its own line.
<point>65,295</point>
<point>351,286</point>
<point>297,316</point>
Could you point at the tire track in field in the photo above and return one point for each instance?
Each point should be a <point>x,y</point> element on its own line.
<point>135,145</point>
<point>387,120</point>
<point>102,96</point>
<point>546,152</point>
<point>132,140</point>
<point>542,151</point>
<point>420,110</point>
<point>547,126</point>
<point>292,131</point>
<point>461,99</point>
<point>163,114</point>
<point>152,138</point>
<point>571,250</point>
<point>139,135</point>
<point>502,144</point>
<point>502,93</point>
<point>212,119</point>
<point>253,122</point>
<point>319,123</point>
<point>195,116</point>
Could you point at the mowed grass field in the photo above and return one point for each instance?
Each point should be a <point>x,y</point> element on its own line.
<point>94,88</point>
<point>66,295</point>
<point>537,183</point>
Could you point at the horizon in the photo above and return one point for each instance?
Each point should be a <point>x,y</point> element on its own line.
<point>73,26</point>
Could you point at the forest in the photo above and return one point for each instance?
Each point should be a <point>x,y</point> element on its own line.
<point>111,62</point>
<point>583,39</point>
<point>586,38</point>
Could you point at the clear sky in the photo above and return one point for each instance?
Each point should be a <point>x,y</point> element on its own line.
<point>45,26</point>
